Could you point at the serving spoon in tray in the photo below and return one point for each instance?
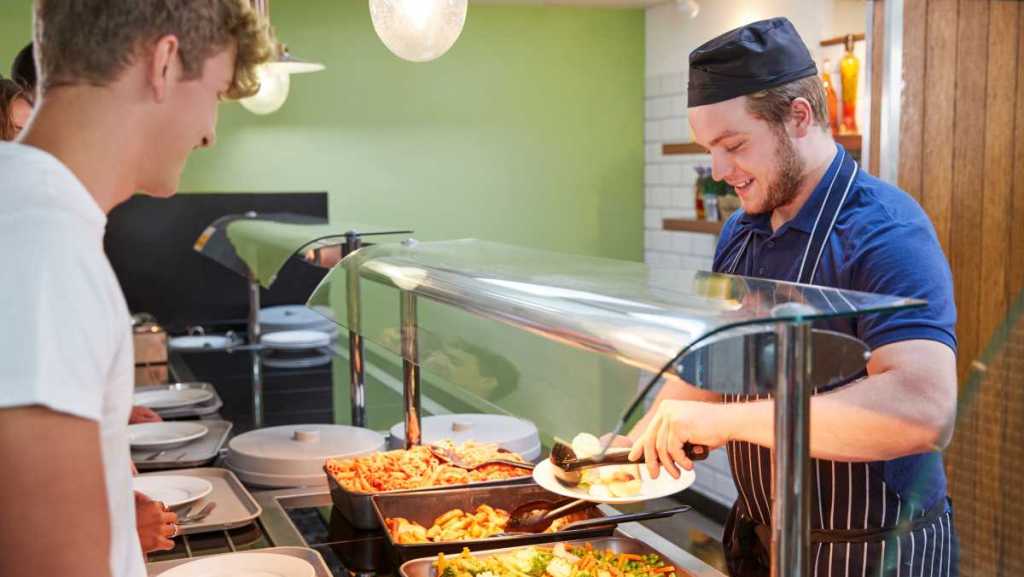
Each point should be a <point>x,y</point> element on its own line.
<point>537,516</point>
<point>454,459</point>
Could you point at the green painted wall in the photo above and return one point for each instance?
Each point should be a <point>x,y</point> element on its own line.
<point>529,131</point>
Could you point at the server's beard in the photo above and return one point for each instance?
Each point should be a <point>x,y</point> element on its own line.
<point>790,169</point>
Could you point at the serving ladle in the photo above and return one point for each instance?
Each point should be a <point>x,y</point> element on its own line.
<point>537,516</point>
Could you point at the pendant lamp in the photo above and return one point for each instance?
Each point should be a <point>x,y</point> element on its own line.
<point>418,30</point>
<point>275,76</point>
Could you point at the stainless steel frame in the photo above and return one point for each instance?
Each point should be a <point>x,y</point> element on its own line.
<point>892,92</point>
<point>791,521</point>
<point>357,376</point>
<point>254,341</point>
<point>410,368</point>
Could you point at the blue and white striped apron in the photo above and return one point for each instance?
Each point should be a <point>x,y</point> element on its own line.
<point>853,512</point>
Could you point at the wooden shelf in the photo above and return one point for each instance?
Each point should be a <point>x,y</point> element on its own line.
<point>859,37</point>
<point>690,225</point>
<point>673,148</point>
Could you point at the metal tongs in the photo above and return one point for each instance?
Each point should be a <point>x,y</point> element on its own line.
<point>567,465</point>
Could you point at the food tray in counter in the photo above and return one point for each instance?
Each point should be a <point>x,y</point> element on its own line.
<point>618,545</point>
<point>203,409</point>
<point>357,506</point>
<point>424,509</point>
<point>195,454</point>
<point>309,555</point>
<point>236,507</point>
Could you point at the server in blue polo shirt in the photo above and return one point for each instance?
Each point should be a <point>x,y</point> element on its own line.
<point>811,214</point>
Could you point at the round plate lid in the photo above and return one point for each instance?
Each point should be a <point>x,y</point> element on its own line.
<point>299,449</point>
<point>296,340</point>
<point>514,434</point>
<point>294,317</point>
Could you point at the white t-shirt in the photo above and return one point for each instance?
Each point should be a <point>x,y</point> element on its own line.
<point>65,336</point>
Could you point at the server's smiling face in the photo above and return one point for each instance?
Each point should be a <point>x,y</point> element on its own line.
<point>750,154</point>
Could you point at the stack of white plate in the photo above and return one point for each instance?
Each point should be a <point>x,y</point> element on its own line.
<point>516,435</point>
<point>297,318</point>
<point>294,455</point>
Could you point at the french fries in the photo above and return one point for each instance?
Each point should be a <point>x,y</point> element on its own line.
<point>418,468</point>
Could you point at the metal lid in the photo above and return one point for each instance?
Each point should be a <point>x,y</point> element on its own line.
<point>299,450</point>
<point>291,317</point>
<point>514,434</point>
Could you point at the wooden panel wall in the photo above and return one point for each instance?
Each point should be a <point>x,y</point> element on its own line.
<point>962,157</point>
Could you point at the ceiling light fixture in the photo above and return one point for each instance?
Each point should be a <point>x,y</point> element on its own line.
<point>275,76</point>
<point>418,30</point>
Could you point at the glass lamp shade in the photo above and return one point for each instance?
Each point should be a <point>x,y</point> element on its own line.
<point>418,30</point>
<point>274,84</point>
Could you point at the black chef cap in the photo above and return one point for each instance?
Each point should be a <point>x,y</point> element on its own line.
<point>750,58</point>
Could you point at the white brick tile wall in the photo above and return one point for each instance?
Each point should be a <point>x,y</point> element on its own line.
<point>669,194</point>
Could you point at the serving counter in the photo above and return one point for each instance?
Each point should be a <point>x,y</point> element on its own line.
<point>434,303</point>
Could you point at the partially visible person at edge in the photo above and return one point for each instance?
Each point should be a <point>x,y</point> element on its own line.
<point>152,518</point>
<point>15,109</point>
<point>811,214</point>
<point>116,114</point>
<point>17,95</point>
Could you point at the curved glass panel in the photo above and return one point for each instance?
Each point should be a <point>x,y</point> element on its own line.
<point>506,329</point>
<point>258,245</point>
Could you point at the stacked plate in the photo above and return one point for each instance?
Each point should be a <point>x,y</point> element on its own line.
<point>193,343</point>
<point>176,400</point>
<point>171,398</point>
<point>516,435</point>
<point>165,435</point>
<point>244,564</point>
<point>172,490</point>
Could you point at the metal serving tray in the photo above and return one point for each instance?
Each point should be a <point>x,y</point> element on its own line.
<point>358,507</point>
<point>195,454</point>
<point>309,555</point>
<point>204,409</point>
<point>425,567</point>
<point>236,507</point>
<point>424,508</point>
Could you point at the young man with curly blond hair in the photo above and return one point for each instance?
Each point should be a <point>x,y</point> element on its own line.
<point>127,89</point>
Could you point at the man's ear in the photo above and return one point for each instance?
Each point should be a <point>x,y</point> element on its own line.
<point>163,67</point>
<point>801,116</point>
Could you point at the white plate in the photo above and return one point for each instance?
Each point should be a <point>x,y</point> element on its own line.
<point>296,340</point>
<point>170,399</point>
<point>172,490</point>
<point>244,565</point>
<point>165,435</point>
<point>199,343</point>
<point>663,486</point>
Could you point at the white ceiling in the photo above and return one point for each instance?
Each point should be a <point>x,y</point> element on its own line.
<point>602,3</point>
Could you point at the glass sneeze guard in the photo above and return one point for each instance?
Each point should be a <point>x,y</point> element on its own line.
<point>435,304</point>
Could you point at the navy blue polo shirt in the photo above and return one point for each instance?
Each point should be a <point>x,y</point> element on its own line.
<point>882,242</point>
